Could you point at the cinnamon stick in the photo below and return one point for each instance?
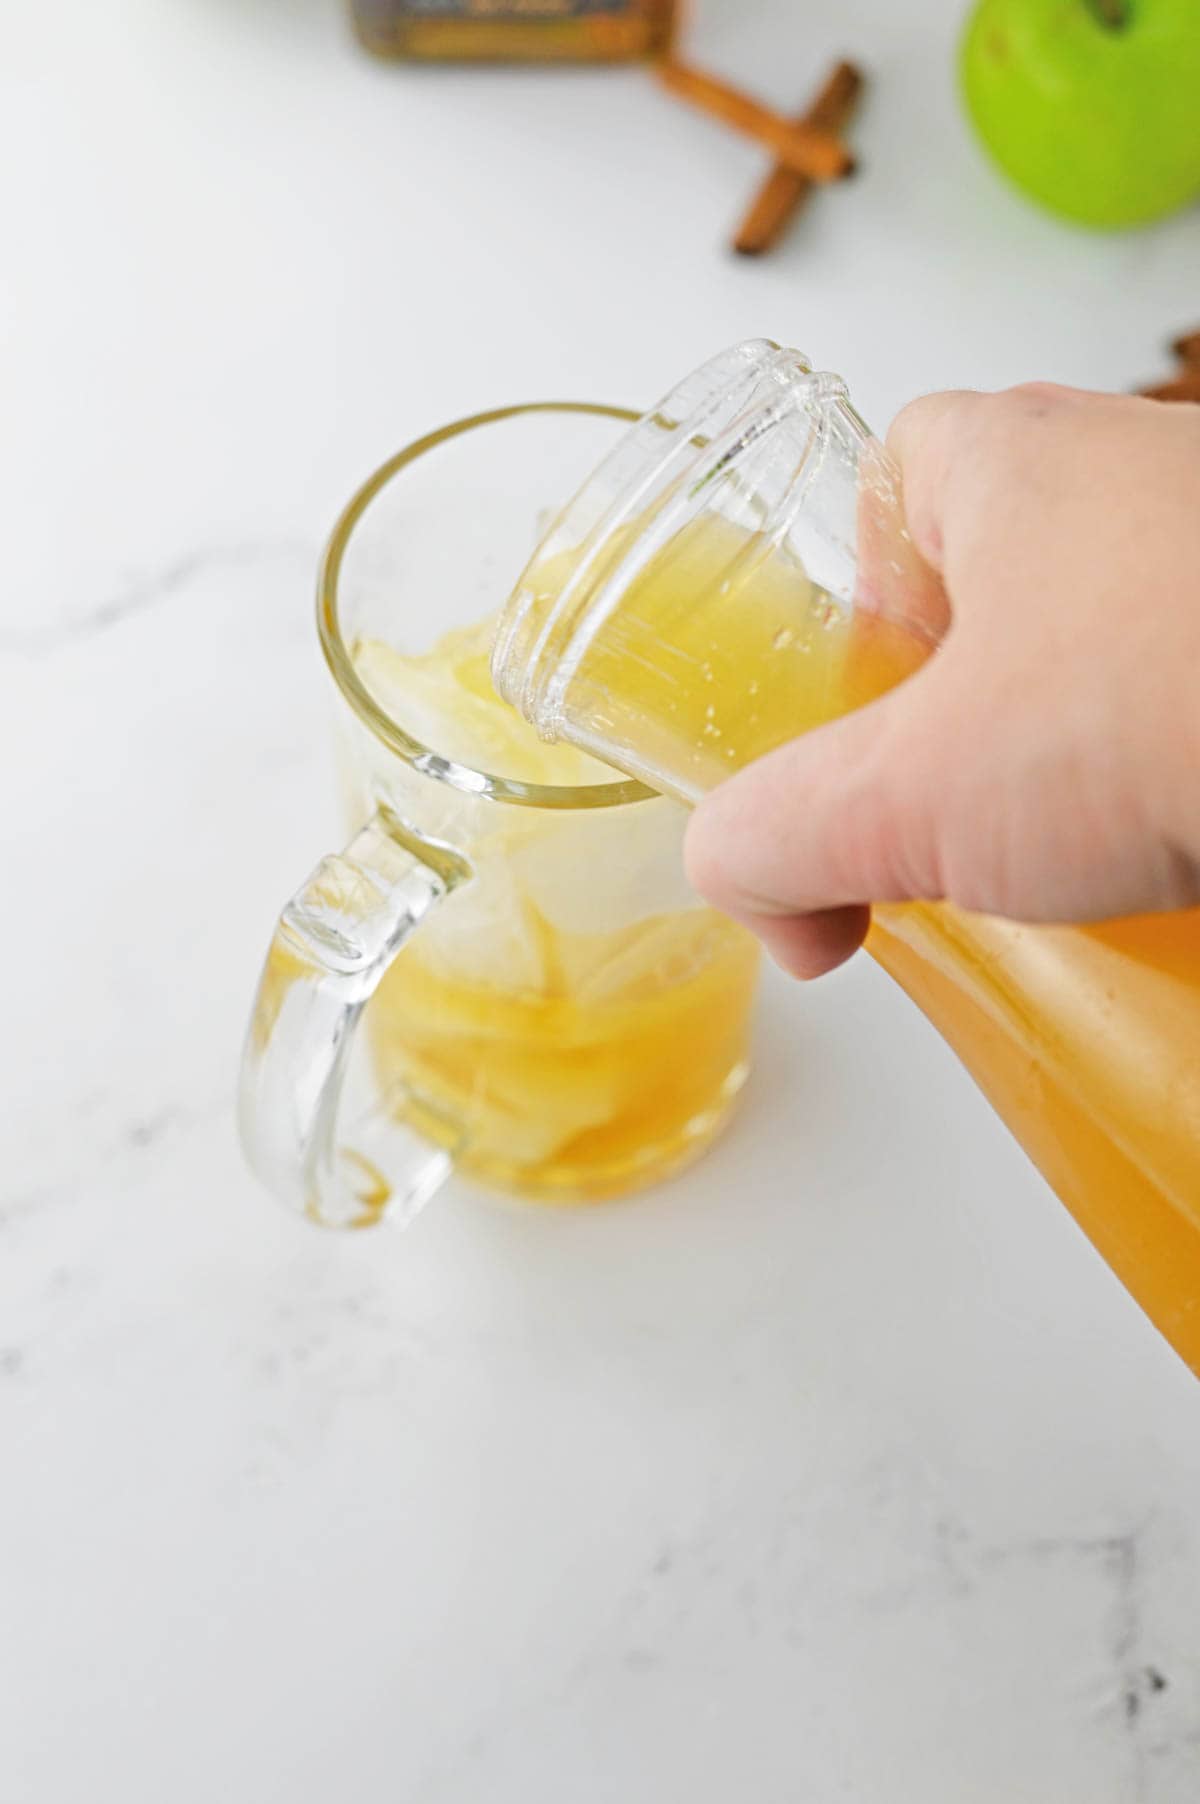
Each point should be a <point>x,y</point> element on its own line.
<point>1184,388</point>
<point>1187,348</point>
<point>809,150</point>
<point>785,190</point>
<point>1185,384</point>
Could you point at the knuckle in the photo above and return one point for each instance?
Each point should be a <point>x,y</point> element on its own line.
<point>1033,399</point>
<point>705,858</point>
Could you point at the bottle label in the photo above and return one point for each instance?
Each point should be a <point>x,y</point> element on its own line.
<point>502,10</point>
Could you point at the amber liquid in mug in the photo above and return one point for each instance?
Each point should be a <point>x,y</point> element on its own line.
<point>579,1061</point>
<point>1086,1039</point>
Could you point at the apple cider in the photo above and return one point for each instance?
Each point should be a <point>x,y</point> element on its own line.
<point>1086,1039</point>
<point>571,1010</point>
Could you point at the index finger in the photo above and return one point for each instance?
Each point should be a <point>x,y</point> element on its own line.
<point>921,439</point>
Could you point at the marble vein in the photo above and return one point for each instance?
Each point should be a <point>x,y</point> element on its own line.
<point>146,593</point>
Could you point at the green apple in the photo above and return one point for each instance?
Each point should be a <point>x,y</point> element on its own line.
<point>1090,106</point>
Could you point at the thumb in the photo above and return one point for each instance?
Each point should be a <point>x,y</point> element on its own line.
<point>827,824</point>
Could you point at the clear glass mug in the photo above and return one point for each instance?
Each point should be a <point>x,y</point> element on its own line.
<point>738,570</point>
<point>547,1006</point>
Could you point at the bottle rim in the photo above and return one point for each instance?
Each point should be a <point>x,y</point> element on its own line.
<point>658,476</point>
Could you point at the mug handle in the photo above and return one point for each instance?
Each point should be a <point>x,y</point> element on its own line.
<point>332,945</point>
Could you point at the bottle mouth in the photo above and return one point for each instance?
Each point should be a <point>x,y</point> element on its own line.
<point>715,430</point>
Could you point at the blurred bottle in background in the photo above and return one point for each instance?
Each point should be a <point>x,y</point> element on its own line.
<point>517,30</point>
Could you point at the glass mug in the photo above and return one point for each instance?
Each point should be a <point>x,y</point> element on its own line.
<point>547,1006</point>
<point>737,571</point>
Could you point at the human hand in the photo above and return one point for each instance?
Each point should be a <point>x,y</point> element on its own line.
<point>1045,764</point>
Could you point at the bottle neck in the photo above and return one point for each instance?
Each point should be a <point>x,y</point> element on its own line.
<point>744,434</point>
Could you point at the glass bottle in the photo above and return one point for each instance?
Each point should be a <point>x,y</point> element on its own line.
<point>519,30</point>
<point>738,570</point>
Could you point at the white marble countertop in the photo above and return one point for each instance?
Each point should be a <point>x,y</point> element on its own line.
<point>840,1469</point>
